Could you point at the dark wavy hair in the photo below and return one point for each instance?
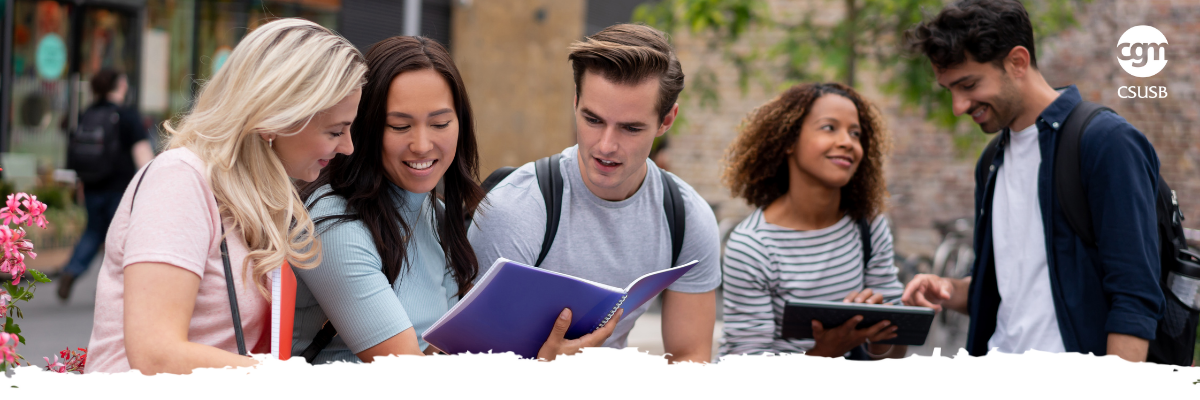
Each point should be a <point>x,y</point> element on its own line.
<point>360,177</point>
<point>986,29</point>
<point>756,166</point>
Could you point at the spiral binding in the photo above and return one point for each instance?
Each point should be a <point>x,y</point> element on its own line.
<point>613,312</point>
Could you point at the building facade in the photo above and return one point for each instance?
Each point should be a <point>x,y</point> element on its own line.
<point>166,48</point>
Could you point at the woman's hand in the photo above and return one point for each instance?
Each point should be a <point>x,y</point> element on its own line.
<point>837,341</point>
<point>558,344</point>
<point>865,296</point>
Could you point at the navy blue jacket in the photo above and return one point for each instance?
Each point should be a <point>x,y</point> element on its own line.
<point>1112,288</point>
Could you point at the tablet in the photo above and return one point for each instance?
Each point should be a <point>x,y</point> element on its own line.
<point>913,322</point>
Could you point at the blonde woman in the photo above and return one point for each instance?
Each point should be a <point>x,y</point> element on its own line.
<point>279,109</point>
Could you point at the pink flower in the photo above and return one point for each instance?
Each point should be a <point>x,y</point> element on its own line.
<point>15,266</point>
<point>5,300</point>
<point>8,347</point>
<point>56,366</point>
<point>35,210</point>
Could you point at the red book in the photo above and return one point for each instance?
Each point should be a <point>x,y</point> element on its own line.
<point>283,311</point>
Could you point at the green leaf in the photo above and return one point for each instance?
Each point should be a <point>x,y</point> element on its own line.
<point>20,339</point>
<point>39,276</point>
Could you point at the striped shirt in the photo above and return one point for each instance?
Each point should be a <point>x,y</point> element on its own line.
<point>767,265</point>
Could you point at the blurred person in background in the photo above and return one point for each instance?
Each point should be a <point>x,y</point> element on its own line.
<point>106,150</point>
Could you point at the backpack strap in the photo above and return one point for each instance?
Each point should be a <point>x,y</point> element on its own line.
<point>676,211</point>
<point>233,304</point>
<point>989,157</point>
<point>550,180</point>
<point>319,342</point>
<point>495,177</point>
<point>1068,182</point>
<point>864,233</point>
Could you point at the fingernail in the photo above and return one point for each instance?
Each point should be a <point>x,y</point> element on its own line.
<point>564,315</point>
<point>887,323</point>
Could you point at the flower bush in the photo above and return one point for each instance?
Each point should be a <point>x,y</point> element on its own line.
<point>21,209</point>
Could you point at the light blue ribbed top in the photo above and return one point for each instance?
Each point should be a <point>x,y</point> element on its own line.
<point>350,289</point>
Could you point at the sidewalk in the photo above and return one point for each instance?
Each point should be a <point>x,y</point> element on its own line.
<point>50,325</point>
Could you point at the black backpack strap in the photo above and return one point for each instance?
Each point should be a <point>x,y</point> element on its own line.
<point>1068,182</point>
<point>495,177</point>
<point>137,187</point>
<point>989,157</point>
<point>676,212</point>
<point>550,180</point>
<point>864,231</point>
<point>319,342</point>
<point>233,304</point>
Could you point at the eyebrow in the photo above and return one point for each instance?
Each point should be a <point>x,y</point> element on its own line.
<point>958,81</point>
<point>852,125</point>
<point>338,124</point>
<point>409,116</point>
<point>634,124</point>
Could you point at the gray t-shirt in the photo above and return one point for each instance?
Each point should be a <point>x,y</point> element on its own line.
<point>610,242</point>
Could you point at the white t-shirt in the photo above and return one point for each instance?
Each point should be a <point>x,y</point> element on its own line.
<point>1026,319</point>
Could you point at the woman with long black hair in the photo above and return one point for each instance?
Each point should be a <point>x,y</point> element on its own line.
<point>395,256</point>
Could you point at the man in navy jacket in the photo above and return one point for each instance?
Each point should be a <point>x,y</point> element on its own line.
<point>1035,285</point>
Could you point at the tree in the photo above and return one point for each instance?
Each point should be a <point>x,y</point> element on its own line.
<point>814,50</point>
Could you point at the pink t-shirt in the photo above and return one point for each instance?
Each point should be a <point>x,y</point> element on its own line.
<point>175,222</point>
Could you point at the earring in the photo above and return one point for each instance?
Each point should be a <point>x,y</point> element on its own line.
<point>271,142</point>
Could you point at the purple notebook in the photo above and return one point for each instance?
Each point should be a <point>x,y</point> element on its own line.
<point>513,308</point>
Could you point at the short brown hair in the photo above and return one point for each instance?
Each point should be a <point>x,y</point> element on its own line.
<point>756,166</point>
<point>628,54</point>
<point>104,82</point>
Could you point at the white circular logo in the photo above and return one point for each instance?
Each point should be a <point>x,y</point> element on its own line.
<point>1142,51</point>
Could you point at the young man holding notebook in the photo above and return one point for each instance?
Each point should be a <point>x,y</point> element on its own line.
<point>1036,285</point>
<point>612,225</point>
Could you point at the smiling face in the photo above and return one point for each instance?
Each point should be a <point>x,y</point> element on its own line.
<point>983,91</point>
<point>421,133</point>
<point>326,135</point>
<point>617,125</point>
<point>829,149</point>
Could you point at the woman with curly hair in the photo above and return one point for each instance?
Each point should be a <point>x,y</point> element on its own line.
<point>811,160</point>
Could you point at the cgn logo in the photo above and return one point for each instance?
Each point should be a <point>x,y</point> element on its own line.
<point>1142,51</point>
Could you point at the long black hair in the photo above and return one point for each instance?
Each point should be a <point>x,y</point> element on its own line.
<point>361,180</point>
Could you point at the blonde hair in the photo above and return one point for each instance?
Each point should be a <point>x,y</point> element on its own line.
<point>274,81</point>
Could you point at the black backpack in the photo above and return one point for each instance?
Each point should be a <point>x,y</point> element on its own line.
<point>1175,338</point>
<point>95,145</point>
<point>550,180</point>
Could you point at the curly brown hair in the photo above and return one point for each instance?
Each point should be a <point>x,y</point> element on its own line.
<point>756,167</point>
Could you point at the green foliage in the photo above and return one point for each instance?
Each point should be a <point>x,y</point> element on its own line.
<point>811,50</point>
<point>39,276</point>
<point>56,197</point>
